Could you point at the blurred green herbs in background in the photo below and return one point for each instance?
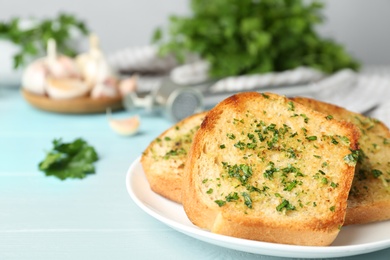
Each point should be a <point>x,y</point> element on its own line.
<point>31,35</point>
<point>240,37</point>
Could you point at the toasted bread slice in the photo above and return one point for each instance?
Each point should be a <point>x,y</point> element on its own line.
<point>369,198</point>
<point>263,167</point>
<point>164,159</point>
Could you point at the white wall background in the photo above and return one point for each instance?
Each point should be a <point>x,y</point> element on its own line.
<point>362,25</point>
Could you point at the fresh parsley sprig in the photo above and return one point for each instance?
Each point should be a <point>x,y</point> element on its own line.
<point>69,160</point>
<point>32,40</point>
<point>239,37</point>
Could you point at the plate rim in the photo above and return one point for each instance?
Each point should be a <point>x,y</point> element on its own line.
<point>252,246</point>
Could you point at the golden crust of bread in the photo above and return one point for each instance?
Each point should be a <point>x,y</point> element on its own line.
<point>369,199</point>
<point>265,168</point>
<point>164,159</point>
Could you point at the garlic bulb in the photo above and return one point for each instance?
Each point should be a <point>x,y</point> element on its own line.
<point>52,66</point>
<point>93,65</point>
<point>60,66</point>
<point>34,76</point>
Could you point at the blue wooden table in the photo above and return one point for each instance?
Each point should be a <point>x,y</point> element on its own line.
<point>93,218</point>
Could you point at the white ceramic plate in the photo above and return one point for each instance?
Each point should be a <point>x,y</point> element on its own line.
<point>352,240</point>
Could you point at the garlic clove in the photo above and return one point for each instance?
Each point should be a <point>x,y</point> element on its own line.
<point>128,85</point>
<point>106,89</point>
<point>65,68</point>
<point>126,126</point>
<point>66,88</point>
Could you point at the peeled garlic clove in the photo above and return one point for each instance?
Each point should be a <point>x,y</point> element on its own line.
<point>66,88</point>
<point>127,126</point>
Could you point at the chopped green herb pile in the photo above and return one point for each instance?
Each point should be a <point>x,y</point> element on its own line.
<point>69,160</point>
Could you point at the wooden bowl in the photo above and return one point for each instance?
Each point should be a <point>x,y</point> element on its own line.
<point>81,105</point>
